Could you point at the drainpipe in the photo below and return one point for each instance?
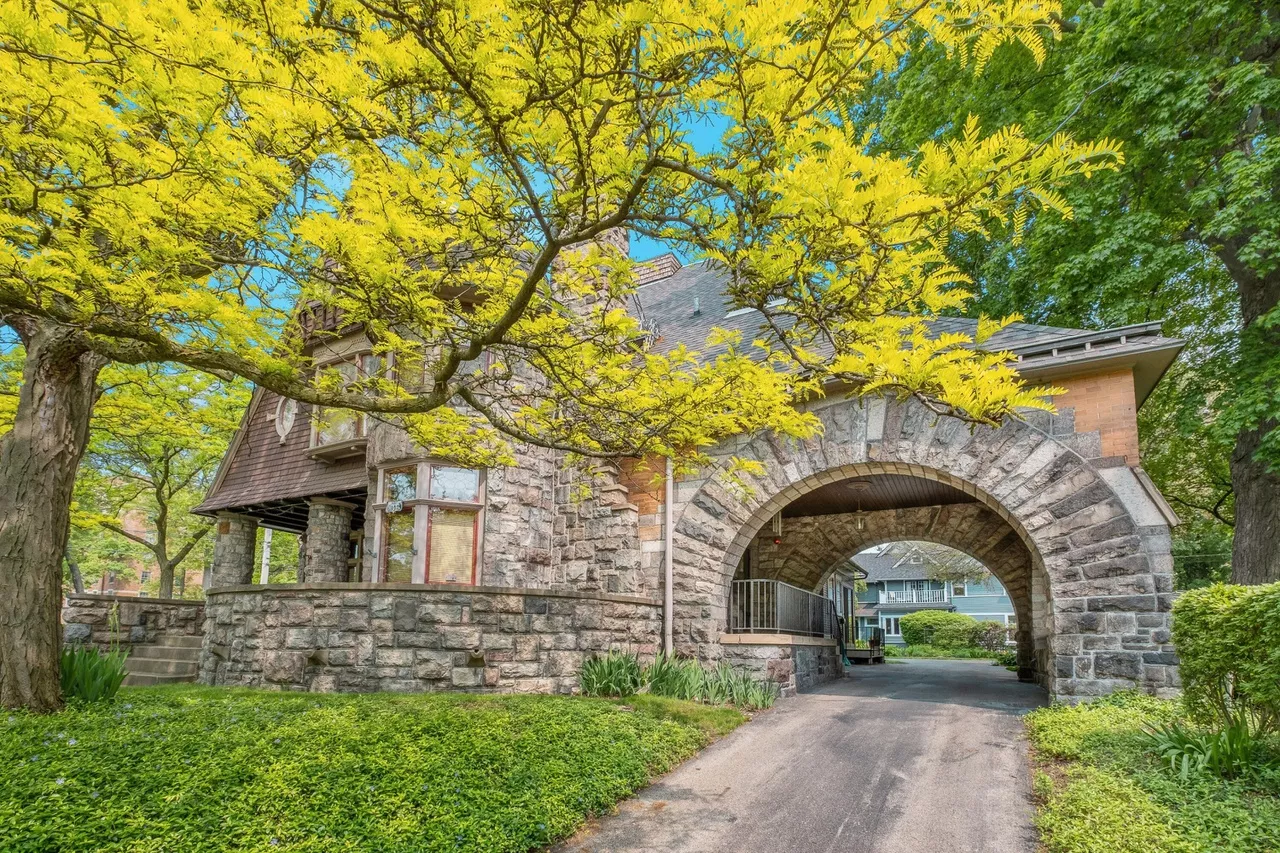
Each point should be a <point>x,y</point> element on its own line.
<point>668,609</point>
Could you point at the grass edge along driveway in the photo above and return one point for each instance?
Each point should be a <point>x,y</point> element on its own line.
<point>207,769</point>
<point>1099,788</point>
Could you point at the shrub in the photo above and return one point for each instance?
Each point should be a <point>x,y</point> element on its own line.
<point>89,675</point>
<point>1097,812</point>
<point>938,628</point>
<point>1227,753</point>
<point>1228,640</point>
<point>1006,658</point>
<point>615,674</point>
<point>989,635</point>
<point>682,678</point>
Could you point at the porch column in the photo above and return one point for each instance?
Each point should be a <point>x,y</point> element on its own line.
<point>233,547</point>
<point>328,540</point>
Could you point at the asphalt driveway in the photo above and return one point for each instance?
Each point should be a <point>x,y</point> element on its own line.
<point>922,756</point>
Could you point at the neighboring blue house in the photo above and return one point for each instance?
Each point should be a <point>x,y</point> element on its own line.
<point>898,579</point>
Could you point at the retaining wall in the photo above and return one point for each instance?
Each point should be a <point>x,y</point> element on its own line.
<point>408,638</point>
<point>86,618</point>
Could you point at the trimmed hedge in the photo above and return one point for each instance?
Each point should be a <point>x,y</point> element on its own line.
<point>939,628</point>
<point>203,770</point>
<point>1228,640</point>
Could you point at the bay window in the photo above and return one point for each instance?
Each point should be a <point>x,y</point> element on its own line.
<point>428,523</point>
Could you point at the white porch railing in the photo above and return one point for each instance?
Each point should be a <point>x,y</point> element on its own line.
<point>915,596</point>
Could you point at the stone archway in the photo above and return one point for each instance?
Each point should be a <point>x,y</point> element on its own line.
<point>811,548</point>
<point>1100,578</point>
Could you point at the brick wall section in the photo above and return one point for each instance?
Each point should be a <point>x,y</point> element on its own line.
<point>367,637</point>
<point>1105,403</point>
<point>87,618</point>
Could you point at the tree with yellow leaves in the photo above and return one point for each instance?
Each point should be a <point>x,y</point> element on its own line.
<point>176,177</point>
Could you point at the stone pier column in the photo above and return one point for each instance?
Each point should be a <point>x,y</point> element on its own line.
<point>233,545</point>
<point>328,541</point>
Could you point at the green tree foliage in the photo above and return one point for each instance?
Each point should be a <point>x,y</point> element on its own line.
<point>1186,231</point>
<point>156,439</point>
<point>1228,640</point>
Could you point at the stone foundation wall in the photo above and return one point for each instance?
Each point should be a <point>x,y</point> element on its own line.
<point>86,618</point>
<point>368,637</point>
<point>797,664</point>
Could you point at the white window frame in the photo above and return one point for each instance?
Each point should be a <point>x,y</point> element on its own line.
<point>422,505</point>
<point>884,625</point>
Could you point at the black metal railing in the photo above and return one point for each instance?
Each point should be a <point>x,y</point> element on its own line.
<point>773,607</point>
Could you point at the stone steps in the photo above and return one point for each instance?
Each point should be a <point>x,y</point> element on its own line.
<point>172,660</point>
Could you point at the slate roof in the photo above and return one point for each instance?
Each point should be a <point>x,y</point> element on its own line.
<point>683,307</point>
<point>882,564</point>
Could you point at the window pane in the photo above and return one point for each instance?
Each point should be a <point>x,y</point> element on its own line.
<point>453,545</point>
<point>337,425</point>
<point>400,484</point>
<point>397,547</point>
<point>454,484</point>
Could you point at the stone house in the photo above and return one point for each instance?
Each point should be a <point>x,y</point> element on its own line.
<point>417,574</point>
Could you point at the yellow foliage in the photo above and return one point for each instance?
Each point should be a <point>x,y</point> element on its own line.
<point>176,176</point>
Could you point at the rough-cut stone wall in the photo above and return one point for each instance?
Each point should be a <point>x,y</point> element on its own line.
<point>366,637</point>
<point>797,664</point>
<point>87,619</point>
<point>597,533</point>
<point>328,542</point>
<point>1101,564</point>
<point>235,537</point>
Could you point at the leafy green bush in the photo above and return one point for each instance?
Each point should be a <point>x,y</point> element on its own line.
<point>1006,658</point>
<point>989,635</point>
<point>204,770</point>
<point>1228,640</point>
<point>1227,753</point>
<point>960,652</point>
<point>89,675</point>
<point>615,674</point>
<point>938,628</point>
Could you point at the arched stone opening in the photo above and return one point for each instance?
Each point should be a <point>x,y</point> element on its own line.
<point>1093,570</point>
<point>813,539</point>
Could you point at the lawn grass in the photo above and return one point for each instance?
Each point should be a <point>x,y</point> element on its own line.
<point>1100,790</point>
<point>201,769</point>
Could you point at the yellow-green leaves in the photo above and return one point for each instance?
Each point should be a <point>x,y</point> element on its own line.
<point>452,176</point>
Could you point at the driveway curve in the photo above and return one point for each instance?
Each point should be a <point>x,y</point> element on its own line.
<point>918,756</point>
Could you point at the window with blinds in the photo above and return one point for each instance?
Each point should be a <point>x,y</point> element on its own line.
<point>451,552</point>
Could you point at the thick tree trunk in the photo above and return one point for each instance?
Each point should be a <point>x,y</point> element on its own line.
<point>1255,557</point>
<point>1255,554</point>
<point>38,461</point>
<point>166,581</point>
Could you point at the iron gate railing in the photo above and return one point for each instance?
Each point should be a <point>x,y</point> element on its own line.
<point>773,607</point>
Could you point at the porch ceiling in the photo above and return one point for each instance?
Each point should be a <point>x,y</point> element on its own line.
<point>887,491</point>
